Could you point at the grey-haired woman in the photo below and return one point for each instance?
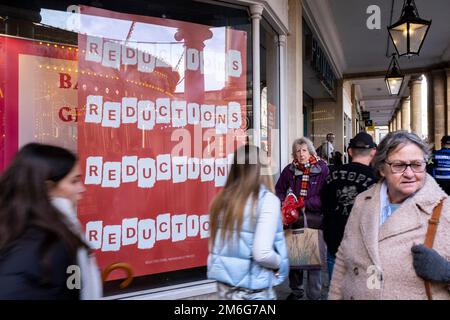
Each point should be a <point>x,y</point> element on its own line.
<point>374,260</point>
<point>305,177</point>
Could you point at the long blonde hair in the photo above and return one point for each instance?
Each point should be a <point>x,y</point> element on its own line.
<point>244,181</point>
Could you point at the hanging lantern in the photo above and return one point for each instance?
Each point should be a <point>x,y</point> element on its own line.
<point>394,77</point>
<point>408,33</point>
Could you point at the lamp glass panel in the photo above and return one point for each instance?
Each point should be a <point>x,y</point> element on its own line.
<point>394,84</point>
<point>398,35</point>
<point>417,33</point>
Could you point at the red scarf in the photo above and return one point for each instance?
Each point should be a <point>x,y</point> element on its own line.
<point>305,168</point>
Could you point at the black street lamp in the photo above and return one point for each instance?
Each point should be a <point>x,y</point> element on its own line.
<point>408,33</point>
<point>394,77</point>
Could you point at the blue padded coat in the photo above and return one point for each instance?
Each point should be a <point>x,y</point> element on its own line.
<point>232,262</point>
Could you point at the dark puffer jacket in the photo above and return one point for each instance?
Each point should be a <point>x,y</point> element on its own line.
<point>22,274</point>
<point>291,177</point>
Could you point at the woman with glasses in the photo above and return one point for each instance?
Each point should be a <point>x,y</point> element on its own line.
<point>375,260</point>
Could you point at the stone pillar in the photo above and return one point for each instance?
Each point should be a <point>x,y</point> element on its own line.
<point>430,108</point>
<point>394,119</point>
<point>256,15</point>
<point>405,114</point>
<point>354,115</point>
<point>284,116</point>
<point>415,87</point>
<point>439,106</point>
<point>339,142</point>
<point>447,111</point>
<point>399,120</point>
<point>295,71</point>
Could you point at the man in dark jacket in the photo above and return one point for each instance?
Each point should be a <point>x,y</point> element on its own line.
<point>342,186</point>
<point>439,165</point>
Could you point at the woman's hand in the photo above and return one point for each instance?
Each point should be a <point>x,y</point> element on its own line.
<point>277,272</point>
<point>430,265</point>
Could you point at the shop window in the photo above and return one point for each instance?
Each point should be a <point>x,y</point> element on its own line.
<point>270,95</point>
<point>149,94</point>
<point>308,123</point>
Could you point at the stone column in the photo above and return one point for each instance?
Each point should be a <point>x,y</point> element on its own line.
<point>284,115</point>
<point>394,119</point>
<point>430,108</point>
<point>447,111</point>
<point>405,114</point>
<point>439,106</point>
<point>399,120</point>
<point>295,71</point>
<point>415,85</point>
<point>256,15</point>
<point>353,94</point>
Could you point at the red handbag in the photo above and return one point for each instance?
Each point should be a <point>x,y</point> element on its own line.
<point>289,209</point>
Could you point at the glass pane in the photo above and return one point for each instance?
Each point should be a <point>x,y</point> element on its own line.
<point>153,106</point>
<point>395,85</point>
<point>164,84</point>
<point>270,107</point>
<point>399,37</point>
<point>417,32</point>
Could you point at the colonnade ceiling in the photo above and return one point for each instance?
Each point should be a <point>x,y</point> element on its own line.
<point>367,51</point>
<point>377,100</point>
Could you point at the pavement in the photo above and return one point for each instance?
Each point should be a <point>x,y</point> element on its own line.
<point>282,290</point>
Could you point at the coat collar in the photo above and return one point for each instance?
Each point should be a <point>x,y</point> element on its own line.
<point>407,217</point>
<point>429,196</point>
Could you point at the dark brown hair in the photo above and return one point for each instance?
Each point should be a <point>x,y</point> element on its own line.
<point>25,202</point>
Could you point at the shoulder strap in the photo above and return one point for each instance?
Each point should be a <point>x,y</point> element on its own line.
<point>430,236</point>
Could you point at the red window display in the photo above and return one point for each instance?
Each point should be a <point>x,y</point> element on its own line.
<point>154,108</point>
<point>38,97</point>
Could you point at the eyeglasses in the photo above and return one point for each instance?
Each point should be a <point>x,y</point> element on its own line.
<point>400,167</point>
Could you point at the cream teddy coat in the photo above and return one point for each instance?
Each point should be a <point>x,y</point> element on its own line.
<point>375,262</point>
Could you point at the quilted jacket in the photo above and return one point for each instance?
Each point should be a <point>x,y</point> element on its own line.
<point>232,262</point>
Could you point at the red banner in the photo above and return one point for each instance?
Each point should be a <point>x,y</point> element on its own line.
<point>164,107</point>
